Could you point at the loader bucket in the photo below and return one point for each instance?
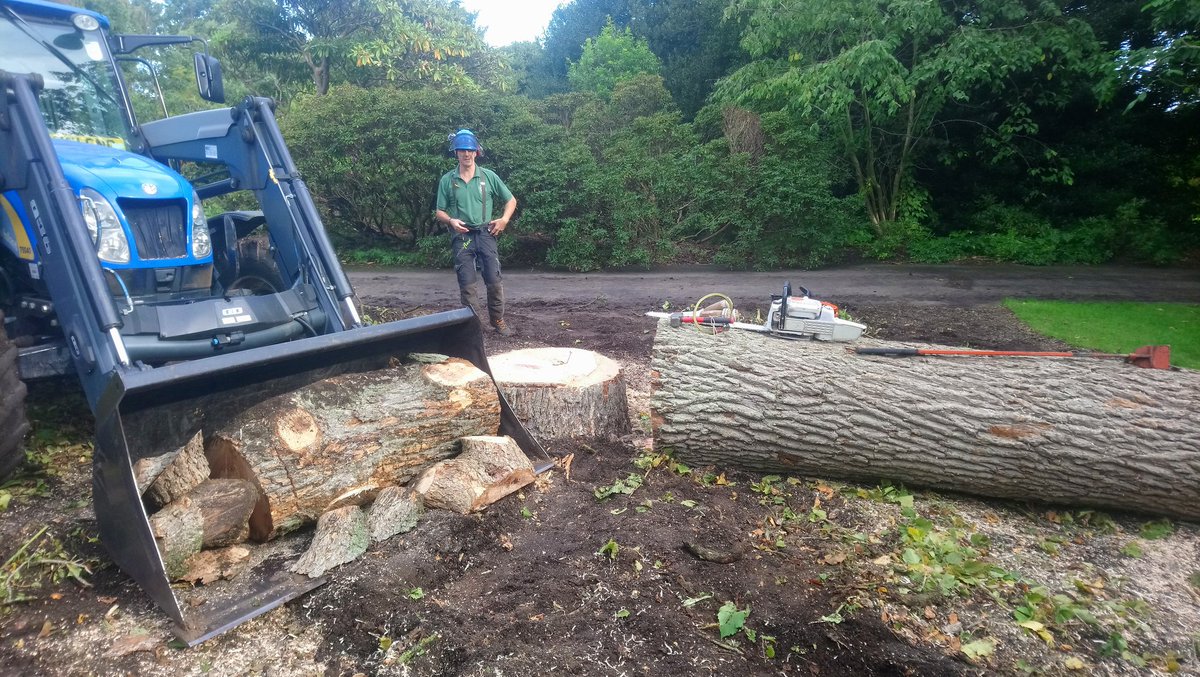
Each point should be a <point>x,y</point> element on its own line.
<point>148,412</point>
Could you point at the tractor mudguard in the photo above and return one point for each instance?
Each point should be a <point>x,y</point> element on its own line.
<point>156,395</point>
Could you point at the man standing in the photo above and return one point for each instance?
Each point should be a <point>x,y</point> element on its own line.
<point>465,199</point>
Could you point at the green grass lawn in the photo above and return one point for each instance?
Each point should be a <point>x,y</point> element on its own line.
<point>1117,327</point>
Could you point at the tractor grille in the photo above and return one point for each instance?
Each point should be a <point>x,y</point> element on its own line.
<point>158,228</point>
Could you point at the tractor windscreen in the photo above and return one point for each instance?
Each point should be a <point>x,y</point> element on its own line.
<point>81,97</point>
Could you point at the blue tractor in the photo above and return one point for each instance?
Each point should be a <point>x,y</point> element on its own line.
<point>111,267</point>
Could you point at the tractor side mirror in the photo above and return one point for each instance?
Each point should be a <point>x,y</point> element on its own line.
<point>208,78</point>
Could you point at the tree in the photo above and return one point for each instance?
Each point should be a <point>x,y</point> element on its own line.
<point>880,76</point>
<point>697,47</point>
<point>570,27</point>
<point>610,58</point>
<point>404,41</point>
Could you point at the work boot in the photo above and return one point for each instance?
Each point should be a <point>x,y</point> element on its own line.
<point>503,329</point>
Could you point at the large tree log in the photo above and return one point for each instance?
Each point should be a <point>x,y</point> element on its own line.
<point>339,441</point>
<point>1077,431</point>
<point>561,393</point>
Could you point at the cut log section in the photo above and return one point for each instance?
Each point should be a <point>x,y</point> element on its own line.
<point>395,511</point>
<point>184,470</point>
<point>341,536</point>
<point>212,515</point>
<point>488,469</point>
<point>561,393</point>
<point>1074,431</point>
<point>209,566</point>
<point>339,441</point>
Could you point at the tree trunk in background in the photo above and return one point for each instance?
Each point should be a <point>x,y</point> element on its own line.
<point>1076,431</point>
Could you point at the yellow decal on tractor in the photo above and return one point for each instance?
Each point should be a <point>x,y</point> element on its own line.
<point>19,238</point>
<point>110,141</point>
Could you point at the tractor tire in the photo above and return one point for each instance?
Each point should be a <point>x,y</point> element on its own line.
<point>257,272</point>
<point>13,424</point>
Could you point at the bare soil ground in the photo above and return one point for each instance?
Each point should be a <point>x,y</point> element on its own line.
<point>556,580</point>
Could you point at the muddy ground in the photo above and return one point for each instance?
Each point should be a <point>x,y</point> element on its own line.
<point>554,580</point>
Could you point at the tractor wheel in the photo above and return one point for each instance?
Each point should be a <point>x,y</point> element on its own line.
<point>13,424</point>
<point>257,272</point>
<point>258,278</point>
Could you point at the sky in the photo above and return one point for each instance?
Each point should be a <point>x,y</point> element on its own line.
<point>509,21</point>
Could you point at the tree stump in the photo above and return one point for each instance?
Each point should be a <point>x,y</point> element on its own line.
<point>1075,431</point>
<point>339,441</point>
<point>562,393</point>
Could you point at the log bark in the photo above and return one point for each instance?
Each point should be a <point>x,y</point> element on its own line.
<point>341,536</point>
<point>184,469</point>
<point>212,515</point>
<point>339,441</point>
<point>395,511</point>
<point>488,469</point>
<point>1075,431</point>
<point>561,393</point>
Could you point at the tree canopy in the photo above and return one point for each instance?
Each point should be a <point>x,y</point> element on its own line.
<point>752,133</point>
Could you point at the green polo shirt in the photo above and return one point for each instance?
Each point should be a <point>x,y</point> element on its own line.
<point>465,200</point>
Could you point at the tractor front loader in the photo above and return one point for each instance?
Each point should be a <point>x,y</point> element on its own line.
<point>110,268</point>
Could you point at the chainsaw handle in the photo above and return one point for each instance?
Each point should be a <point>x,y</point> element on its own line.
<point>888,352</point>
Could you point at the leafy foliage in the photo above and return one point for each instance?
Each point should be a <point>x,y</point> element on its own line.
<point>609,59</point>
<point>880,78</point>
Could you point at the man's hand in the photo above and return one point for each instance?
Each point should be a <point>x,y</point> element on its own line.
<point>459,226</point>
<point>496,227</point>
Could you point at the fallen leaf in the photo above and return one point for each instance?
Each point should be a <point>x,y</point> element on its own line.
<point>47,628</point>
<point>882,560</point>
<point>825,489</point>
<point>930,613</point>
<point>1074,664</point>
<point>835,558</point>
<point>978,649</point>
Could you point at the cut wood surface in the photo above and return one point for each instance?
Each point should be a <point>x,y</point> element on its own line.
<point>1077,431</point>
<point>341,440</point>
<point>209,566</point>
<point>488,469</point>
<point>561,393</point>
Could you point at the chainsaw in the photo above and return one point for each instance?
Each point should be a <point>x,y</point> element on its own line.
<point>794,317</point>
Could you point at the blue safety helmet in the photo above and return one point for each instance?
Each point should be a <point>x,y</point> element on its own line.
<point>464,139</point>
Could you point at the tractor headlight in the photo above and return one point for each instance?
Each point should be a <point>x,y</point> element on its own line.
<point>104,227</point>
<point>201,243</point>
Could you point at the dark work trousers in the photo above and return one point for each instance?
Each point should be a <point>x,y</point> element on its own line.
<point>477,249</point>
